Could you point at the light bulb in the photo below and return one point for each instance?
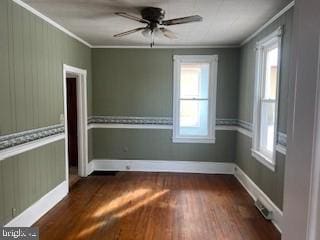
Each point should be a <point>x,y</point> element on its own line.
<point>146,33</point>
<point>157,32</point>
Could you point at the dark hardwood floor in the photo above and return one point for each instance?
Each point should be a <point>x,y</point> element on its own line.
<point>157,206</point>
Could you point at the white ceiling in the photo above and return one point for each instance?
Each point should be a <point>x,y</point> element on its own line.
<point>224,21</point>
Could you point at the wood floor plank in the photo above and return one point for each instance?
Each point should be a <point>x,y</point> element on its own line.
<point>157,206</point>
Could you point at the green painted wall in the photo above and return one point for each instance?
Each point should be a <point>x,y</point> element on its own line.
<point>139,82</point>
<point>270,182</point>
<point>150,144</point>
<point>32,53</point>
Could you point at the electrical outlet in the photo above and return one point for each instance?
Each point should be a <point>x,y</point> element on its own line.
<point>125,149</point>
<point>14,212</point>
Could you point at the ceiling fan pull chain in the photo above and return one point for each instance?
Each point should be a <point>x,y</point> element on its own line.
<point>152,39</point>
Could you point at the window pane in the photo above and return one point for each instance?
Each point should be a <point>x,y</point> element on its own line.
<point>267,128</point>
<point>194,80</point>
<point>194,117</point>
<point>271,72</point>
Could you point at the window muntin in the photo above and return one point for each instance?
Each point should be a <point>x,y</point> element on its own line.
<point>266,99</point>
<point>194,84</point>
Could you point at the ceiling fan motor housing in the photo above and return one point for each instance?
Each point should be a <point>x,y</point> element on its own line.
<point>154,15</point>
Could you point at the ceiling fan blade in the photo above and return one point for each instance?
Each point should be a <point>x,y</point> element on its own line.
<point>129,32</point>
<point>194,18</point>
<point>167,33</point>
<point>138,19</point>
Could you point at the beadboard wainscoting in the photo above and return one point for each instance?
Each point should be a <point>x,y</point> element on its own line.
<point>33,213</point>
<point>32,168</point>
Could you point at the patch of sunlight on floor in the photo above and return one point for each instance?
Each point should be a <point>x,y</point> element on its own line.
<point>90,229</point>
<point>120,201</point>
<point>140,204</point>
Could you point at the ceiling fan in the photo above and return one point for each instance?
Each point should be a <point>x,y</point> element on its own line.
<point>153,17</point>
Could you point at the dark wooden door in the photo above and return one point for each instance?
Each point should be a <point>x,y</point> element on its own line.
<point>72,121</point>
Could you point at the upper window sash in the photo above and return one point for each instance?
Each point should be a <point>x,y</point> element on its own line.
<point>179,60</point>
<point>262,47</point>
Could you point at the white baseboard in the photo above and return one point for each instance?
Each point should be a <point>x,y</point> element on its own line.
<point>162,166</point>
<point>39,208</point>
<point>256,193</point>
<point>90,167</point>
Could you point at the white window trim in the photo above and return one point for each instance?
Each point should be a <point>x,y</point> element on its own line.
<point>213,61</point>
<point>275,36</point>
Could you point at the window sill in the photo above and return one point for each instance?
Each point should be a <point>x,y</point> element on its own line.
<point>193,140</point>
<point>263,159</point>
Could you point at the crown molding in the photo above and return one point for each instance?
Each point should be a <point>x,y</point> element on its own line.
<point>166,46</point>
<point>271,20</point>
<point>50,21</point>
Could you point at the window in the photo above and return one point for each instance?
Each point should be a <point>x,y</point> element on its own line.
<point>266,98</point>
<point>195,80</point>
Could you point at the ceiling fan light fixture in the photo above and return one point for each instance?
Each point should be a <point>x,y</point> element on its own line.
<point>146,33</point>
<point>157,32</point>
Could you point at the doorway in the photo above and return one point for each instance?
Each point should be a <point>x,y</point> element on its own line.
<point>72,128</point>
<point>75,120</point>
